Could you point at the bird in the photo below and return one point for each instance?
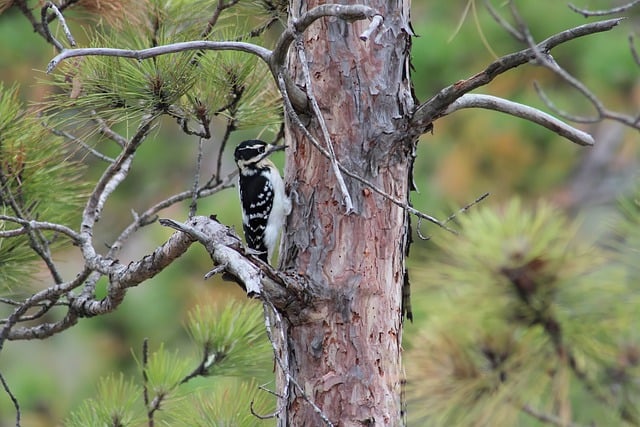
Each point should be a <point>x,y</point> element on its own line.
<point>265,205</point>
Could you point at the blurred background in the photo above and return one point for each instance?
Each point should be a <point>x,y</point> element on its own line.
<point>469,153</point>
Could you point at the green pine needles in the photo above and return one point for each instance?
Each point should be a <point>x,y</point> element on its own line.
<point>234,352</point>
<point>40,179</point>
<point>535,325</point>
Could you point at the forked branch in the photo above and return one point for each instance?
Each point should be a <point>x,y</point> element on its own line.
<point>437,106</point>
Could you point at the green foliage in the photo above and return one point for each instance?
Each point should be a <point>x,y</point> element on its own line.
<point>39,179</point>
<point>226,406</point>
<point>188,85</point>
<point>534,317</point>
<point>116,404</point>
<point>233,339</point>
<point>165,371</point>
<point>234,345</point>
<point>238,76</point>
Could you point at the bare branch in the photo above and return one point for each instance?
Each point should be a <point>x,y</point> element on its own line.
<point>503,22</point>
<point>375,24</point>
<point>45,25</point>
<point>466,207</point>
<point>150,215</point>
<point>546,60</point>
<point>112,176</point>
<point>220,6</point>
<point>15,402</point>
<point>218,241</point>
<point>82,144</point>
<point>105,130</point>
<point>432,109</point>
<point>524,112</point>
<point>51,293</point>
<point>37,241</point>
<point>196,181</point>
<point>41,225</point>
<point>123,277</point>
<point>587,13</point>
<point>259,51</point>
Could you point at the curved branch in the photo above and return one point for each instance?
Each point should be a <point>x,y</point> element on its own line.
<point>37,225</point>
<point>587,13</point>
<point>434,108</point>
<point>524,112</point>
<point>152,52</point>
<point>275,60</point>
<point>45,26</point>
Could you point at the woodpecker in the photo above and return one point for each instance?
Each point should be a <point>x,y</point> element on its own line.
<point>265,205</point>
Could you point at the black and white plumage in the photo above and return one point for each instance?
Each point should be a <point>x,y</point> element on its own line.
<point>265,205</point>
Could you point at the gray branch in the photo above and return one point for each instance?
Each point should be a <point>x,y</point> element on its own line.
<point>152,52</point>
<point>587,13</point>
<point>275,59</point>
<point>435,107</point>
<point>524,112</point>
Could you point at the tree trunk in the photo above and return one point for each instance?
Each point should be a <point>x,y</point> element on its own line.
<point>344,349</point>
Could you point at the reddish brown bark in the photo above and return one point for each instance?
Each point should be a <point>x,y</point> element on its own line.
<point>345,349</point>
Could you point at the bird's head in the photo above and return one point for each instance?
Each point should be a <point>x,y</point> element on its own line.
<point>254,152</point>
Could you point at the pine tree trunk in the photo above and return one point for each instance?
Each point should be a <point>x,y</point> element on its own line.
<point>344,349</point>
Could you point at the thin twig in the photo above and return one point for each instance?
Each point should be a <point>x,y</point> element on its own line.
<point>150,215</point>
<point>562,113</point>
<point>466,207</point>
<point>267,416</point>
<point>196,181</point>
<point>546,60</point>
<point>236,95</point>
<point>37,240</point>
<point>43,225</point>
<point>503,22</point>
<point>346,197</point>
<point>82,144</point>
<point>432,109</point>
<point>220,6</point>
<point>45,26</point>
<point>15,402</point>
<point>546,418</point>
<point>41,331</point>
<point>587,13</point>
<point>106,131</point>
<point>145,380</point>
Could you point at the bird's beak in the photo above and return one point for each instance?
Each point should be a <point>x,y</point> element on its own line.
<point>274,148</point>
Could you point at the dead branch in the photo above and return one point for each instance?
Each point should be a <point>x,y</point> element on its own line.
<point>435,107</point>
<point>587,13</point>
<point>524,112</point>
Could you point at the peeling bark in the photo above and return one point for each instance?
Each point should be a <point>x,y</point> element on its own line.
<point>345,350</point>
